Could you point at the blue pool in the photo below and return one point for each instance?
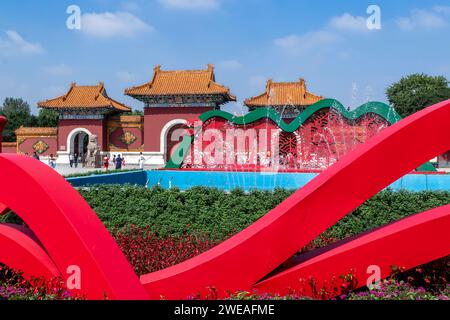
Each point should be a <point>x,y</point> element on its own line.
<point>244,180</point>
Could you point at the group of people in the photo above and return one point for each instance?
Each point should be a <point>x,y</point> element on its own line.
<point>51,158</point>
<point>75,159</point>
<point>119,161</point>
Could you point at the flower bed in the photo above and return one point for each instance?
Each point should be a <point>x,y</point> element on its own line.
<point>158,228</point>
<point>14,287</point>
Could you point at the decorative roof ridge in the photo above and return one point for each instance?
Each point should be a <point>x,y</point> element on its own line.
<point>101,91</point>
<point>36,130</point>
<point>64,97</point>
<point>209,69</point>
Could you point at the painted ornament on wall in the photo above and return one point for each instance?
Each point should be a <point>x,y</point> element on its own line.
<point>128,138</point>
<point>40,147</point>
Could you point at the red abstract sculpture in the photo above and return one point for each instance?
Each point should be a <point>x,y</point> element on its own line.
<point>416,240</point>
<point>72,234</point>
<point>2,125</point>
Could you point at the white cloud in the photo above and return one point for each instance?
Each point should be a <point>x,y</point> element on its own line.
<point>125,76</point>
<point>429,19</point>
<point>58,70</point>
<point>347,22</point>
<point>229,65</point>
<point>13,43</point>
<point>298,44</point>
<point>118,24</point>
<point>333,32</point>
<point>442,9</point>
<point>191,4</point>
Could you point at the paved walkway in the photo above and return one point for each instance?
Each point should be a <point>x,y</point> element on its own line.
<point>66,169</point>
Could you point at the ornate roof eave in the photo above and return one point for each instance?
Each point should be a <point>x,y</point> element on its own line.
<point>279,106</point>
<point>144,97</point>
<point>71,109</point>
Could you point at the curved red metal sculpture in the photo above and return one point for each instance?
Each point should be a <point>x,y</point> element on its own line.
<point>2,126</point>
<point>72,234</point>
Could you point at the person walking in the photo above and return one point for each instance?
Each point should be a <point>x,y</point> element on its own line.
<point>114,160</point>
<point>52,161</point>
<point>141,161</point>
<point>83,160</point>
<point>36,156</point>
<point>75,160</point>
<point>106,162</point>
<point>71,160</point>
<point>123,162</point>
<point>118,163</point>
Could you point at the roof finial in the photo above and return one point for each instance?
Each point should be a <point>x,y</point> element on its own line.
<point>302,82</point>
<point>157,68</point>
<point>72,85</point>
<point>269,83</point>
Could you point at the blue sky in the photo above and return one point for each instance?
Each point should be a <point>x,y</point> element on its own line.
<point>120,42</point>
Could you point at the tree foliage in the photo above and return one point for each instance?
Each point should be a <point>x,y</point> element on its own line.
<point>135,113</point>
<point>47,118</point>
<point>416,92</point>
<point>18,113</point>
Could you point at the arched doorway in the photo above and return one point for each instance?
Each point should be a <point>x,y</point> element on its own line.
<point>78,141</point>
<point>80,144</point>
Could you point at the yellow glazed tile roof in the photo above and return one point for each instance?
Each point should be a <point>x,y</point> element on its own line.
<point>284,93</point>
<point>89,97</point>
<point>181,82</point>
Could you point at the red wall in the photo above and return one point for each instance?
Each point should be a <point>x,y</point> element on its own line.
<point>8,149</point>
<point>27,145</point>
<point>155,118</point>
<point>115,135</point>
<point>96,127</point>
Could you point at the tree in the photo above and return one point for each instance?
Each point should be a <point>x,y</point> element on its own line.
<point>17,111</point>
<point>47,118</point>
<point>135,113</point>
<point>416,92</point>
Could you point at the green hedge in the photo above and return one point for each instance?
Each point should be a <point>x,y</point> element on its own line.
<point>219,214</point>
<point>202,210</point>
<point>97,172</point>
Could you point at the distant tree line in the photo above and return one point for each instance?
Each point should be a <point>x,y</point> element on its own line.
<point>18,113</point>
